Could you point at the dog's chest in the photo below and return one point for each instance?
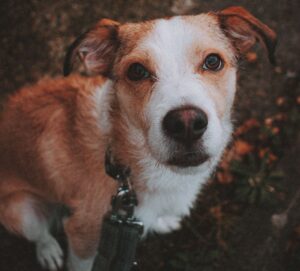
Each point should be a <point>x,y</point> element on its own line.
<point>168,196</point>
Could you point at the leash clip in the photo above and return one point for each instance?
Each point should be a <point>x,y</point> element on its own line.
<point>124,202</point>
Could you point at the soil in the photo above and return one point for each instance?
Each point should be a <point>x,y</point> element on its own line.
<point>34,36</point>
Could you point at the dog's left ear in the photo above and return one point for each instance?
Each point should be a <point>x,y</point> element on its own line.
<point>95,48</point>
<point>245,30</point>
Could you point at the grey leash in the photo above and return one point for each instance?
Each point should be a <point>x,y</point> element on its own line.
<point>121,231</point>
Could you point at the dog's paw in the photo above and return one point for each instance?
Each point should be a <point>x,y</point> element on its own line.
<point>167,224</point>
<point>49,254</point>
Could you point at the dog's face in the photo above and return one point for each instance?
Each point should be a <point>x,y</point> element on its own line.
<point>175,78</point>
<point>176,83</point>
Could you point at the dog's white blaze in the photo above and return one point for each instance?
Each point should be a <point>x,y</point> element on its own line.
<point>171,191</point>
<point>178,85</point>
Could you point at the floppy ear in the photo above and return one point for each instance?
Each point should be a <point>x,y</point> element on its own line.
<point>95,48</point>
<point>245,30</point>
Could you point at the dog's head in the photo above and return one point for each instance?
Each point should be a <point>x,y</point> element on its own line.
<point>175,78</point>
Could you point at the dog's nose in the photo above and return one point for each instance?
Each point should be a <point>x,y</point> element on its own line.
<point>185,125</point>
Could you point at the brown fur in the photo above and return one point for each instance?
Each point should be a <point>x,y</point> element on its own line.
<point>244,30</point>
<point>45,150</point>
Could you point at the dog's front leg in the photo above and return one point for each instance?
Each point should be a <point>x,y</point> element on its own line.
<point>77,263</point>
<point>83,236</point>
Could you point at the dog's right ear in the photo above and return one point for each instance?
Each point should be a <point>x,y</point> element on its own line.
<point>95,48</point>
<point>244,30</point>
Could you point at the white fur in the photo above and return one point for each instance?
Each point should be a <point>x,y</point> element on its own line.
<point>169,195</point>
<point>35,229</point>
<point>170,191</point>
<point>165,224</point>
<point>76,263</point>
<point>49,253</point>
<point>178,85</point>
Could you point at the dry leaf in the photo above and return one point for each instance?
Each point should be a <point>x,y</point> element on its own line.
<point>275,130</point>
<point>246,126</point>
<point>251,57</point>
<point>280,101</point>
<point>224,177</point>
<point>271,156</point>
<point>268,121</point>
<point>242,147</point>
<point>279,220</point>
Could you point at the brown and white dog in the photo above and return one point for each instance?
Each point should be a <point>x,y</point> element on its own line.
<point>161,97</point>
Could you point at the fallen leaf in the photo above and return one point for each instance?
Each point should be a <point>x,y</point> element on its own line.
<point>251,57</point>
<point>268,121</point>
<point>279,220</point>
<point>224,177</point>
<point>242,147</point>
<point>280,101</point>
<point>265,152</point>
<point>275,130</point>
<point>246,126</point>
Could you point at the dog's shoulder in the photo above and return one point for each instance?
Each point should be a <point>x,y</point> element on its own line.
<point>53,102</point>
<point>49,96</point>
<point>49,91</point>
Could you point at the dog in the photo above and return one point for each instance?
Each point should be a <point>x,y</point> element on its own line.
<point>159,93</point>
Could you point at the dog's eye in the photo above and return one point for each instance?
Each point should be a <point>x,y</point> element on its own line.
<point>137,72</point>
<point>213,62</point>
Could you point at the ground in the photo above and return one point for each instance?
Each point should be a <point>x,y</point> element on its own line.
<point>233,226</point>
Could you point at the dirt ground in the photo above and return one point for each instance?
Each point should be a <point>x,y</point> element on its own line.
<point>33,38</point>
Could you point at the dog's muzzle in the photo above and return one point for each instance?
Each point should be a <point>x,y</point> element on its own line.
<point>185,126</point>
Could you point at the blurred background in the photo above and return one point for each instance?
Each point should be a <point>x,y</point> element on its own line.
<point>248,215</point>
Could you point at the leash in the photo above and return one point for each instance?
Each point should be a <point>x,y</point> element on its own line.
<point>121,230</point>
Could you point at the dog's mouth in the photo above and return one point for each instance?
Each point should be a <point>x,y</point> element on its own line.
<point>188,159</point>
